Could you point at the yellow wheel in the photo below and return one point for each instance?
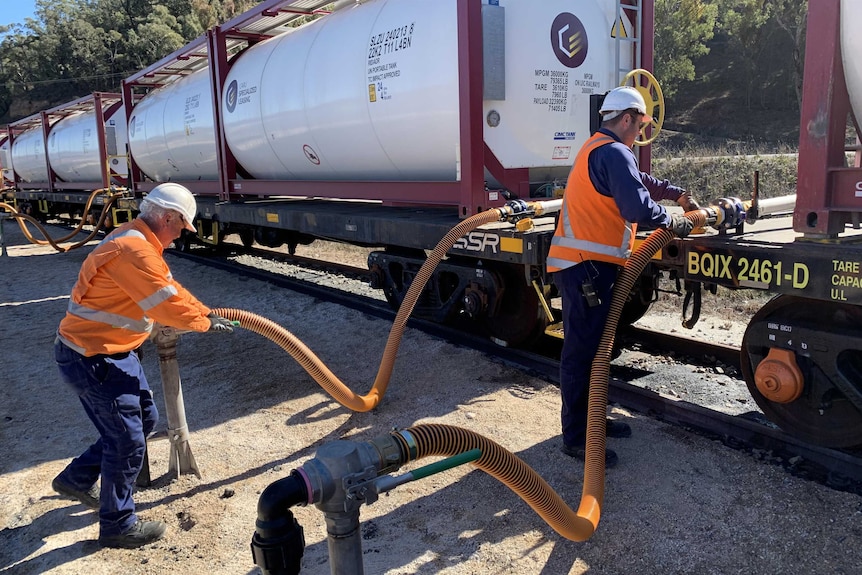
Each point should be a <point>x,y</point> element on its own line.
<point>648,86</point>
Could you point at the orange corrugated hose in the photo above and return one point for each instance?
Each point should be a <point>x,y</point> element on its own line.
<point>55,242</point>
<point>448,440</point>
<point>312,364</point>
<point>594,467</point>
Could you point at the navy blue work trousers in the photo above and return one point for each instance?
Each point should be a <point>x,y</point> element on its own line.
<point>117,398</point>
<point>582,326</point>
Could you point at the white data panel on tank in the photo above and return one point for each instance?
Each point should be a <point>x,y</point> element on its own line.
<point>851,52</point>
<point>556,57</point>
<point>73,146</point>
<point>367,93</point>
<point>172,133</point>
<point>28,156</point>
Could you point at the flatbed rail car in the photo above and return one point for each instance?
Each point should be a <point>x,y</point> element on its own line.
<point>802,354</point>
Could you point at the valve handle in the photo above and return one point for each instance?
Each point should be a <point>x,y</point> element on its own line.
<point>645,83</point>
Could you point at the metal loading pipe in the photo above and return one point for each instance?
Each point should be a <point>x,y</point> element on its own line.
<point>315,367</point>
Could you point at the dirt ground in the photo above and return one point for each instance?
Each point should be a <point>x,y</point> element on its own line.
<point>676,504</point>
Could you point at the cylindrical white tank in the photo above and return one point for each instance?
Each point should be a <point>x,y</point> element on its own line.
<point>851,48</point>
<point>172,133</point>
<point>28,156</point>
<point>73,146</point>
<point>371,92</point>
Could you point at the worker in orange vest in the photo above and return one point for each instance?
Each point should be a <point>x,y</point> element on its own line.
<point>606,197</point>
<point>123,287</point>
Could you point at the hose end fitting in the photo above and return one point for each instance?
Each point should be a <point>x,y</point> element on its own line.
<point>281,552</point>
<point>278,541</point>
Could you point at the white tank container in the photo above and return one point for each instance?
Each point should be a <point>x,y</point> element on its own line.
<point>73,146</point>
<point>371,92</point>
<point>172,133</point>
<point>557,54</point>
<point>851,48</point>
<point>73,149</point>
<point>28,156</point>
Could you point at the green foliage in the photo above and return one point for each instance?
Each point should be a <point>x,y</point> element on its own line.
<point>748,86</point>
<point>682,30</point>
<point>75,47</point>
<point>719,173</point>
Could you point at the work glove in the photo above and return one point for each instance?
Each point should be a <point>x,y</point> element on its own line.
<point>680,225</point>
<point>687,201</point>
<point>219,324</point>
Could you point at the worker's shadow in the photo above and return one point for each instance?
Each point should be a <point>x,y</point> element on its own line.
<point>19,542</point>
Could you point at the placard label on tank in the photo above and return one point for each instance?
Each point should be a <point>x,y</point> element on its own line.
<point>551,89</point>
<point>383,69</point>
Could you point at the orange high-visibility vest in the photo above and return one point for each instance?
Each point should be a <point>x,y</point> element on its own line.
<point>590,226</point>
<point>123,287</point>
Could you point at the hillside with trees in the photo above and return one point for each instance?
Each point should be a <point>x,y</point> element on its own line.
<point>730,69</point>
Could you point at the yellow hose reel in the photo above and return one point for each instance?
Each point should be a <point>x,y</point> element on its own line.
<point>645,83</point>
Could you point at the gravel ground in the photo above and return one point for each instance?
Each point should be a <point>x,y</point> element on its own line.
<point>676,504</point>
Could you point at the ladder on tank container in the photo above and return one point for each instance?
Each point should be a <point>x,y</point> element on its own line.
<point>628,12</point>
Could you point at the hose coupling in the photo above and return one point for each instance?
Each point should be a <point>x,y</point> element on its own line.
<point>726,213</point>
<point>514,210</point>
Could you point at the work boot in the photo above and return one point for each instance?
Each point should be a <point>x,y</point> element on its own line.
<point>617,429</point>
<point>141,533</point>
<point>90,497</point>
<point>611,458</point>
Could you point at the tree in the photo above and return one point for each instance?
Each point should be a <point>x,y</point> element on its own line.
<point>682,30</point>
<point>791,16</point>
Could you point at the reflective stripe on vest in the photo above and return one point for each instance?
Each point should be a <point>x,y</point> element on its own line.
<point>567,249</point>
<point>113,320</point>
<point>117,321</point>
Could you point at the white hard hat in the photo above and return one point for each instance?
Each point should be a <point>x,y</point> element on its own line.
<point>175,197</point>
<point>623,98</point>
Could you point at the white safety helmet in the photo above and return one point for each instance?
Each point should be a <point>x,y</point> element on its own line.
<point>623,98</point>
<point>175,197</point>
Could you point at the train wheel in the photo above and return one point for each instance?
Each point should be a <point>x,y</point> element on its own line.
<point>639,301</point>
<point>519,318</point>
<point>802,362</point>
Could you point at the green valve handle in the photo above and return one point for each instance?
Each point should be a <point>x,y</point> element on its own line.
<point>447,463</point>
<point>388,482</point>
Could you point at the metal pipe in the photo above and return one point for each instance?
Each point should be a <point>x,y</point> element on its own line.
<point>181,460</point>
<point>775,206</point>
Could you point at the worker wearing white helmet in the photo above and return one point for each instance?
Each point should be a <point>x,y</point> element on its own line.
<point>123,288</point>
<point>606,198</point>
<point>171,196</point>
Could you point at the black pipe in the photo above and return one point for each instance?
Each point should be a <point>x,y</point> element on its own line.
<point>279,542</point>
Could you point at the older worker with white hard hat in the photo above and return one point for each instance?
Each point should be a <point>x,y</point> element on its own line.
<point>123,287</point>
